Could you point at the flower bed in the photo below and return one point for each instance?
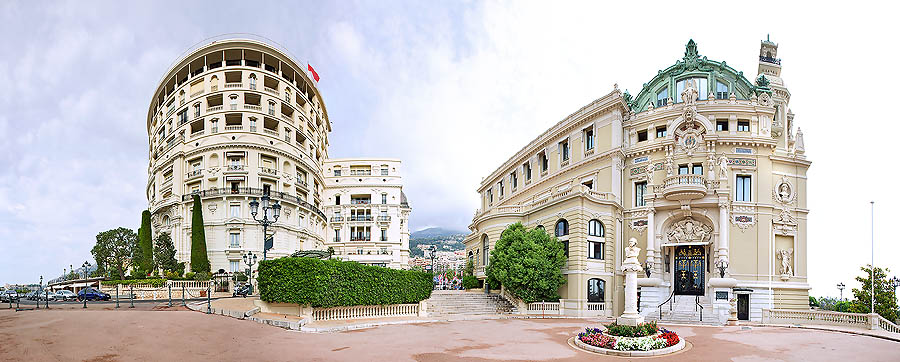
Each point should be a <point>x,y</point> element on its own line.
<point>643,337</point>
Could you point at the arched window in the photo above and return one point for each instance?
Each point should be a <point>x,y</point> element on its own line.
<point>540,227</point>
<point>165,221</point>
<point>596,290</point>
<point>595,228</point>
<point>486,252</point>
<point>252,81</point>
<point>471,257</point>
<point>562,228</point>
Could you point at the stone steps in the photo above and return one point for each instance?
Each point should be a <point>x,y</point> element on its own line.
<point>684,311</point>
<point>448,303</point>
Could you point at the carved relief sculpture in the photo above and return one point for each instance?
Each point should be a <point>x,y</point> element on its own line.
<point>723,167</point>
<point>783,191</point>
<point>689,231</point>
<point>670,166</point>
<point>649,171</point>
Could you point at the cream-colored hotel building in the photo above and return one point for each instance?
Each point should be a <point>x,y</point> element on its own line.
<point>237,119</point>
<point>705,168</point>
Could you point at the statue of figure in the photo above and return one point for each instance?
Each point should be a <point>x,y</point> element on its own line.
<point>670,166</point>
<point>723,167</point>
<point>799,147</point>
<point>689,94</point>
<point>649,171</point>
<point>632,251</point>
<point>786,255</point>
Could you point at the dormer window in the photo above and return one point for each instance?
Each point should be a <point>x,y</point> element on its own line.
<point>662,97</point>
<point>642,136</point>
<point>699,85</point>
<point>721,90</point>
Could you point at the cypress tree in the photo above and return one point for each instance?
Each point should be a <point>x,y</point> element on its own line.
<point>199,259</point>
<point>145,243</point>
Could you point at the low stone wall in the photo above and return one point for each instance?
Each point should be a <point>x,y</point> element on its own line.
<point>818,317</point>
<point>344,313</point>
<point>612,352</point>
<point>191,288</point>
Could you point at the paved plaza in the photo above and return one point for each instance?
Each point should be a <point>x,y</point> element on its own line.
<point>145,334</point>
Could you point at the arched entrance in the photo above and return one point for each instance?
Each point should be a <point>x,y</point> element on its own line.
<point>686,245</point>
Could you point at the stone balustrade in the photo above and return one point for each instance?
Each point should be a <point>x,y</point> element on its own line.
<point>192,289</point>
<point>820,317</point>
<point>544,308</point>
<point>579,190</point>
<point>365,311</point>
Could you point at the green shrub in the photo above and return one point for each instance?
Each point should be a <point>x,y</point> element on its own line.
<point>202,276</point>
<point>640,330</point>
<point>153,282</point>
<point>470,282</point>
<point>145,244</point>
<point>332,283</point>
<point>190,275</point>
<point>199,259</point>
<point>528,263</point>
<point>241,277</point>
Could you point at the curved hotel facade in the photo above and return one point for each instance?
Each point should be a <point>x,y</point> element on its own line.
<point>232,121</point>
<point>705,168</point>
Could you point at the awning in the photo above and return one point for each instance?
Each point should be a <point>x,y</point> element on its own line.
<point>686,244</point>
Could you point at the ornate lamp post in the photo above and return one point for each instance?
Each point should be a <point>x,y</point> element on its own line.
<point>85,266</point>
<point>895,282</point>
<point>722,265</point>
<point>265,222</point>
<point>40,289</point>
<point>841,287</point>
<point>250,260</point>
<point>648,268</point>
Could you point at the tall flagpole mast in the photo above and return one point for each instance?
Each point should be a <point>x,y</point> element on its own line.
<point>872,266</point>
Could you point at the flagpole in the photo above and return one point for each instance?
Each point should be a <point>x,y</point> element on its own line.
<point>872,266</point>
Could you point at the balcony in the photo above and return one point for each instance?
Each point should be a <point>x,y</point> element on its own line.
<point>268,171</point>
<point>684,187</point>
<point>236,168</point>
<point>360,217</point>
<point>769,60</point>
<point>197,93</point>
<point>337,219</point>
<point>233,85</point>
<point>252,191</point>
<point>271,90</point>
<point>213,109</point>
<point>253,107</point>
<point>384,219</point>
<point>360,172</point>
<point>270,132</point>
<point>193,174</point>
<point>234,127</point>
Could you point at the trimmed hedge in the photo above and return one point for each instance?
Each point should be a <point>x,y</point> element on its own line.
<point>153,282</point>
<point>333,283</point>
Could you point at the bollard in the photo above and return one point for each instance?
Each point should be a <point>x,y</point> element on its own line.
<point>131,287</point>
<point>37,299</point>
<point>47,300</point>
<point>182,295</point>
<point>170,295</point>
<point>117,296</point>
<point>208,307</point>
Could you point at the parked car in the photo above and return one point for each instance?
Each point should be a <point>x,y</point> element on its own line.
<point>64,295</point>
<point>46,295</point>
<point>92,294</point>
<point>9,296</point>
<point>31,295</point>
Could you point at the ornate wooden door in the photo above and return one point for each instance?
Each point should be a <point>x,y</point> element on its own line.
<point>690,270</point>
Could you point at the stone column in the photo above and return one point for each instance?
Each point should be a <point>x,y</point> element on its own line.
<point>724,226</point>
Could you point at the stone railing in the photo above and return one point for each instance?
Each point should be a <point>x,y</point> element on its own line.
<point>555,196</point>
<point>855,320</point>
<point>544,308</point>
<point>252,191</point>
<point>233,85</point>
<point>192,289</point>
<point>520,304</point>
<point>237,127</point>
<point>213,109</point>
<point>253,107</point>
<point>365,311</point>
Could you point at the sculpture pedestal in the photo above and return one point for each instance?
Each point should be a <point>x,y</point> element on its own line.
<point>630,317</point>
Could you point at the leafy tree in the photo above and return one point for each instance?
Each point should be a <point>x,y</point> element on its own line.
<point>164,253</point>
<point>115,248</point>
<point>528,263</point>
<point>813,302</point>
<point>199,259</point>
<point>885,301</point>
<point>834,304</point>
<point>145,233</point>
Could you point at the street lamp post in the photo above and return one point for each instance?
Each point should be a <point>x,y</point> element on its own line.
<point>250,260</point>
<point>895,282</point>
<point>722,265</point>
<point>265,222</point>
<point>85,266</point>
<point>40,289</point>
<point>841,287</point>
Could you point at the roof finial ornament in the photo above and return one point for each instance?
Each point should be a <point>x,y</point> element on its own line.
<point>690,50</point>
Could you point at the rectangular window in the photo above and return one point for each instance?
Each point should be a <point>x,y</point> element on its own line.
<point>642,136</point>
<point>742,188</point>
<point>235,210</point>
<point>721,126</point>
<point>698,170</point>
<point>660,132</point>
<point>490,196</point>
<point>526,169</point>
<point>544,162</point>
<point>743,126</point>
<point>383,234</point>
<point>588,139</point>
<point>337,172</point>
<point>564,151</point>
<point>662,97</point>
<point>721,90</point>
<point>596,250</point>
<point>682,169</point>
<point>513,180</point>
<point>566,247</point>
<point>234,266</point>
<point>384,199</point>
<point>337,235</point>
<point>639,189</point>
<point>384,171</point>
<point>500,187</point>
<point>337,199</point>
<point>234,240</point>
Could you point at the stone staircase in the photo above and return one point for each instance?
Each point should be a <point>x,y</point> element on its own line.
<point>458,302</point>
<point>684,311</point>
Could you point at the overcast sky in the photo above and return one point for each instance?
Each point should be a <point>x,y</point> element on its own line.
<point>450,88</point>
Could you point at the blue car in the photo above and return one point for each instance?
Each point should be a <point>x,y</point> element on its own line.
<point>92,294</point>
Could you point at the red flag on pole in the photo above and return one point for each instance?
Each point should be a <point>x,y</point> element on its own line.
<point>314,74</point>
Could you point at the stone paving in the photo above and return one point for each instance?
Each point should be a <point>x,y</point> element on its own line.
<point>180,335</point>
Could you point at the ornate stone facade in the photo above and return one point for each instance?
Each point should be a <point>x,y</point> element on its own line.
<point>704,168</point>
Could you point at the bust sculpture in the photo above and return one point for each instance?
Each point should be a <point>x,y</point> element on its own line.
<point>632,251</point>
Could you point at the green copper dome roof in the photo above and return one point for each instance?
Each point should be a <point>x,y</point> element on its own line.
<point>718,75</point>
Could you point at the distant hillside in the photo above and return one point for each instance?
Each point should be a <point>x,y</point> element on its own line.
<point>435,232</point>
<point>444,239</point>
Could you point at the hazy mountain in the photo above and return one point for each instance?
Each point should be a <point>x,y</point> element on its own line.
<point>436,232</point>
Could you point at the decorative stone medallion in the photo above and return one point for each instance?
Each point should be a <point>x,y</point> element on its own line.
<point>784,191</point>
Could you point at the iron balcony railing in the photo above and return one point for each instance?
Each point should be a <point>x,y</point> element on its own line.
<point>236,167</point>
<point>337,218</point>
<point>360,201</point>
<point>253,191</point>
<point>360,217</point>
<point>769,60</point>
